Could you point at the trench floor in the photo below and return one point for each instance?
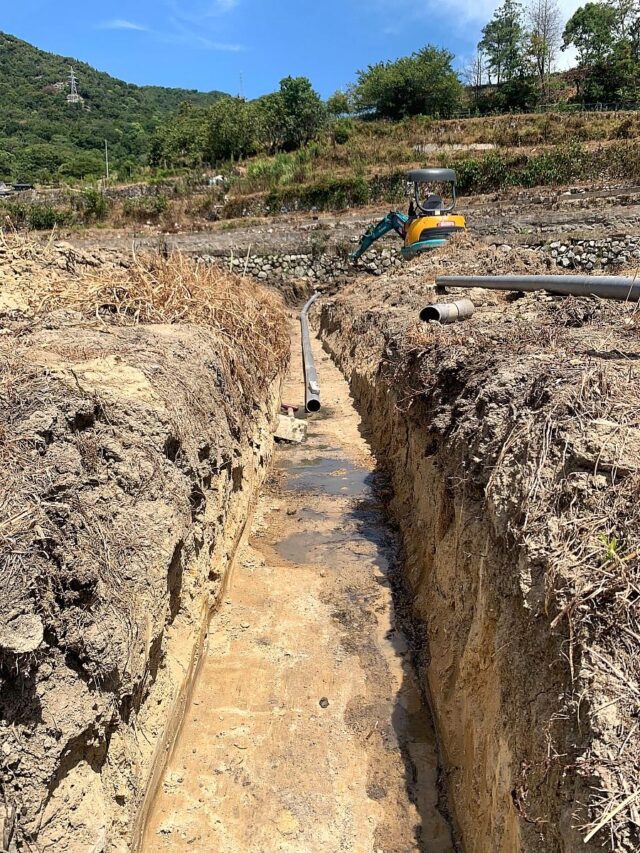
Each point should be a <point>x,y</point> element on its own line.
<point>307,731</point>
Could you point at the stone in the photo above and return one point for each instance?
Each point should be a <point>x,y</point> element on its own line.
<point>22,634</point>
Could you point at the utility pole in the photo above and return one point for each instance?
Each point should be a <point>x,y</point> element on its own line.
<point>242,85</point>
<point>106,158</point>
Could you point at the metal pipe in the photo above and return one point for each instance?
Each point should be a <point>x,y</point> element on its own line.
<point>311,385</point>
<point>448,312</point>
<point>606,287</point>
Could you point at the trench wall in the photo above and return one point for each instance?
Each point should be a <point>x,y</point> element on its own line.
<point>490,662</point>
<point>144,453</point>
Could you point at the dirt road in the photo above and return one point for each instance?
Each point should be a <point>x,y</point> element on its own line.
<point>307,731</point>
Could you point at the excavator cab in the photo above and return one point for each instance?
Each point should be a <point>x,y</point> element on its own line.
<point>431,220</point>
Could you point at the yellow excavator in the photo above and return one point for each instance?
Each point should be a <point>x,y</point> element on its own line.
<point>431,221</point>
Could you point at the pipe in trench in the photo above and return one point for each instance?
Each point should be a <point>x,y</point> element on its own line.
<point>620,288</point>
<point>311,384</point>
<point>448,312</point>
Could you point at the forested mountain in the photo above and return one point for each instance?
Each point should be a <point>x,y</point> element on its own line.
<point>43,137</point>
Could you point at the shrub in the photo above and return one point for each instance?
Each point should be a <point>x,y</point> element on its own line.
<point>147,208</point>
<point>95,205</point>
<point>38,217</point>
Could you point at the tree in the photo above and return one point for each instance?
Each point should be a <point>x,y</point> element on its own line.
<point>591,30</point>
<point>473,75</point>
<point>338,104</point>
<point>545,21</point>
<point>503,42</point>
<point>604,58</point>
<point>292,116</point>
<point>421,84</point>
<point>302,111</point>
<point>183,139</point>
<point>232,130</point>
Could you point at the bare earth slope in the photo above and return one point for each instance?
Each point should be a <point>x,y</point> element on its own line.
<point>513,443</point>
<point>130,452</point>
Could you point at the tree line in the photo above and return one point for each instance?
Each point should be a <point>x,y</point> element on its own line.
<point>514,68</point>
<point>518,54</point>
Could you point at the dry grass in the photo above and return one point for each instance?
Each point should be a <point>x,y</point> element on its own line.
<point>151,288</point>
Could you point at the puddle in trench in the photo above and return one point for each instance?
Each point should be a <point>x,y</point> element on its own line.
<point>331,539</point>
<point>327,475</point>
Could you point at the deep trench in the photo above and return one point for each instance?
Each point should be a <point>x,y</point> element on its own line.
<point>309,727</point>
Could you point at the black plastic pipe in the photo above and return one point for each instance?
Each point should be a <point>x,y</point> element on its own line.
<point>311,385</point>
<point>605,287</point>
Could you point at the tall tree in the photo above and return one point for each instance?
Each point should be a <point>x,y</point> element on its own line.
<point>545,36</point>
<point>231,131</point>
<point>290,117</point>
<point>591,30</point>
<point>503,42</point>
<point>421,84</point>
<point>474,74</point>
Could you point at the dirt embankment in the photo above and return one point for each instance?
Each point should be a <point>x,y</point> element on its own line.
<point>136,404</point>
<point>513,444</point>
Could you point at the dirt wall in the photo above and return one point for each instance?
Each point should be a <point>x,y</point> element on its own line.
<point>131,456</point>
<point>493,461</point>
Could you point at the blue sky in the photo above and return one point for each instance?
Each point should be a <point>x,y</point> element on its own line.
<point>212,44</point>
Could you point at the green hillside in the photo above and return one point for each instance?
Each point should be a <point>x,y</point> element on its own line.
<point>42,137</point>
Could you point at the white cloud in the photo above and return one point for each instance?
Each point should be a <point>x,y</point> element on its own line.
<point>221,6</point>
<point>123,24</point>
<point>197,13</point>
<point>182,28</point>
<point>199,39</point>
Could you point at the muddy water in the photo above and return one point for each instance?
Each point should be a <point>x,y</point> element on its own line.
<point>307,732</point>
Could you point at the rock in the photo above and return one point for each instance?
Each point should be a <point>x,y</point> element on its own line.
<point>22,635</point>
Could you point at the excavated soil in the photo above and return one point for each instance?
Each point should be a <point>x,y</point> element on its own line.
<point>512,443</point>
<point>137,403</point>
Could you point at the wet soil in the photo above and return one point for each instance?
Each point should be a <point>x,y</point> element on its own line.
<point>308,731</point>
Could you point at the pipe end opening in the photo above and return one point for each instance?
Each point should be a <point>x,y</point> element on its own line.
<point>313,406</point>
<point>429,313</point>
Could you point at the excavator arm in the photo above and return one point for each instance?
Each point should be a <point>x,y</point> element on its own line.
<point>394,221</point>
